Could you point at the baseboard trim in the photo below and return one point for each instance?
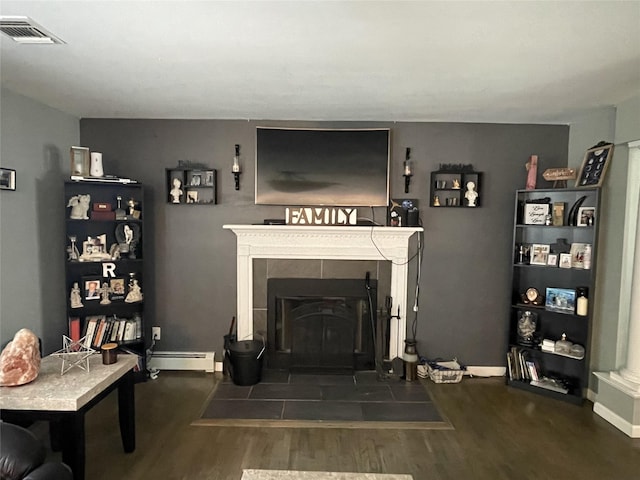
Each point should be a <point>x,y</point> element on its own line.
<point>485,371</point>
<point>183,361</point>
<point>617,421</point>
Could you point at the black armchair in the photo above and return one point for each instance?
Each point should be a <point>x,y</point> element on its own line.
<point>22,456</point>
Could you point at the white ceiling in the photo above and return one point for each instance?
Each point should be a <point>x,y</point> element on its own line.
<point>512,61</point>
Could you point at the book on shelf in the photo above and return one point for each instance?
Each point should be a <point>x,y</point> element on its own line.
<point>550,384</point>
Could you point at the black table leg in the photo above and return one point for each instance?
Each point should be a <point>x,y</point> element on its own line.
<point>127,412</point>
<point>73,443</point>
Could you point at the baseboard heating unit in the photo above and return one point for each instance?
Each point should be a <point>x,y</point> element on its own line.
<point>183,361</point>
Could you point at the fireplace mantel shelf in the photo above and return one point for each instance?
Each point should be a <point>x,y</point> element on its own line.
<point>324,242</point>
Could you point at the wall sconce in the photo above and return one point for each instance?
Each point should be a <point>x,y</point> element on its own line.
<point>408,170</point>
<point>236,167</point>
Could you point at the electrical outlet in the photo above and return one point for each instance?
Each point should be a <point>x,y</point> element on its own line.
<point>156,332</point>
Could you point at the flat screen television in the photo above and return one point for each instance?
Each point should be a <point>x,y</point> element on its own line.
<point>332,167</point>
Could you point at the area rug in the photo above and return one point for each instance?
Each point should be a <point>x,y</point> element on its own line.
<point>323,401</point>
<point>291,475</point>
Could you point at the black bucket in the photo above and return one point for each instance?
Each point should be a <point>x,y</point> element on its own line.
<point>245,359</point>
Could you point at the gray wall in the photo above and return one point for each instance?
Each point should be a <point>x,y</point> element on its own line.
<point>465,292</point>
<point>35,141</point>
<point>586,131</point>
<point>618,125</point>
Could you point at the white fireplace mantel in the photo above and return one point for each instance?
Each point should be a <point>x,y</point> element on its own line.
<point>324,242</point>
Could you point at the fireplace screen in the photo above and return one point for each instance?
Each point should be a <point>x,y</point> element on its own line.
<point>321,325</point>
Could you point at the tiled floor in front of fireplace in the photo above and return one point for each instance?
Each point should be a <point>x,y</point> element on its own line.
<point>353,401</point>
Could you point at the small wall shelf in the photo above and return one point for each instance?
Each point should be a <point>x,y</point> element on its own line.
<point>191,184</point>
<point>449,187</point>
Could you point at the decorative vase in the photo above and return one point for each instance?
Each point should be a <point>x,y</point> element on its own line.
<point>96,165</point>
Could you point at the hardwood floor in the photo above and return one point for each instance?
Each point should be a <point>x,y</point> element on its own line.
<point>500,433</point>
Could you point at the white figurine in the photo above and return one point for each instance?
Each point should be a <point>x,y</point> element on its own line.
<point>79,207</point>
<point>75,297</point>
<point>104,293</point>
<point>135,294</point>
<point>471,195</point>
<point>176,191</point>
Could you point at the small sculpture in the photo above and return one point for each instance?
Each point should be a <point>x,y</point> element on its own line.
<point>20,359</point>
<point>135,293</point>
<point>76,297</point>
<point>74,254</point>
<point>471,195</point>
<point>79,207</point>
<point>436,201</point>
<point>104,293</point>
<point>456,184</point>
<point>176,191</point>
<point>532,169</point>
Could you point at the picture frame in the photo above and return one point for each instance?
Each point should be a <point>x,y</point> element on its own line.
<point>577,254</point>
<point>209,178</point>
<point>7,179</point>
<point>535,213</point>
<point>80,161</point>
<point>192,196</point>
<point>118,287</point>
<point>552,260</point>
<point>539,254</point>
<point>91,287</point>
<point>562,300</point>
<point>557,215</point>
<point>586,217</point>
<point>196,180</point>
<point>565,260</point>
<point>594,166</point>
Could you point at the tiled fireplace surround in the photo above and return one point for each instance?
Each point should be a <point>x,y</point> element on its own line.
<point>275,251</point>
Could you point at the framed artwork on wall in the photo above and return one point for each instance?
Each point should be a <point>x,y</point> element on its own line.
<point>7,179</point>
<point>595,164</point>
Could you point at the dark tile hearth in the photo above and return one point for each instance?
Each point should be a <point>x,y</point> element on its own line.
<point>323,398</point>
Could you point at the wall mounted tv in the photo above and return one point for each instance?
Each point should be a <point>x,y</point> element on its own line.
<point>336,167</point>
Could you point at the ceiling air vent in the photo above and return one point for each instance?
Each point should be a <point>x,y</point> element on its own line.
<point>25,30</point>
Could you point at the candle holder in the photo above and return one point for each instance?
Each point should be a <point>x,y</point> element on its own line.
<point>235,169</point>
<point>407,170</point>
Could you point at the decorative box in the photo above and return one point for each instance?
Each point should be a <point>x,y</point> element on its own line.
<point>95,215</point>
<point>101,207</point>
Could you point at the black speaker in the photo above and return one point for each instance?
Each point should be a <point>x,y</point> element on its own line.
<point>413,217</point>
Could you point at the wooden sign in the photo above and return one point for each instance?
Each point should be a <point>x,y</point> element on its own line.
<point>555,174</point>
<point>321,216</point>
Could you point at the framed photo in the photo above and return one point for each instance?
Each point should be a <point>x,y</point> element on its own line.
<point>565,260</point>
<point>118,288</point>
<point>577,254</point>
<point>91,286</point>
<point>594,166</point>
<point>535,213</point>
<point>209,178</point>
<point>586,216</point>
<point>561,300</point>
<point>7,179</point>
<point>196,179</point>
<point>557,214</point>
<point>192,196</point>
<point>539,254</point>
<point>552,260</point>
<point>80,161</point>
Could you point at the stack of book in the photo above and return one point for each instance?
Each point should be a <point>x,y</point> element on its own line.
<point>100,329</point>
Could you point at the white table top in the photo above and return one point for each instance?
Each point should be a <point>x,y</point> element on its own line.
<point>68,392</point>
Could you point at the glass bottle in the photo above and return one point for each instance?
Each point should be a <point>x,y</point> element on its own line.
<point>563,345</point>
